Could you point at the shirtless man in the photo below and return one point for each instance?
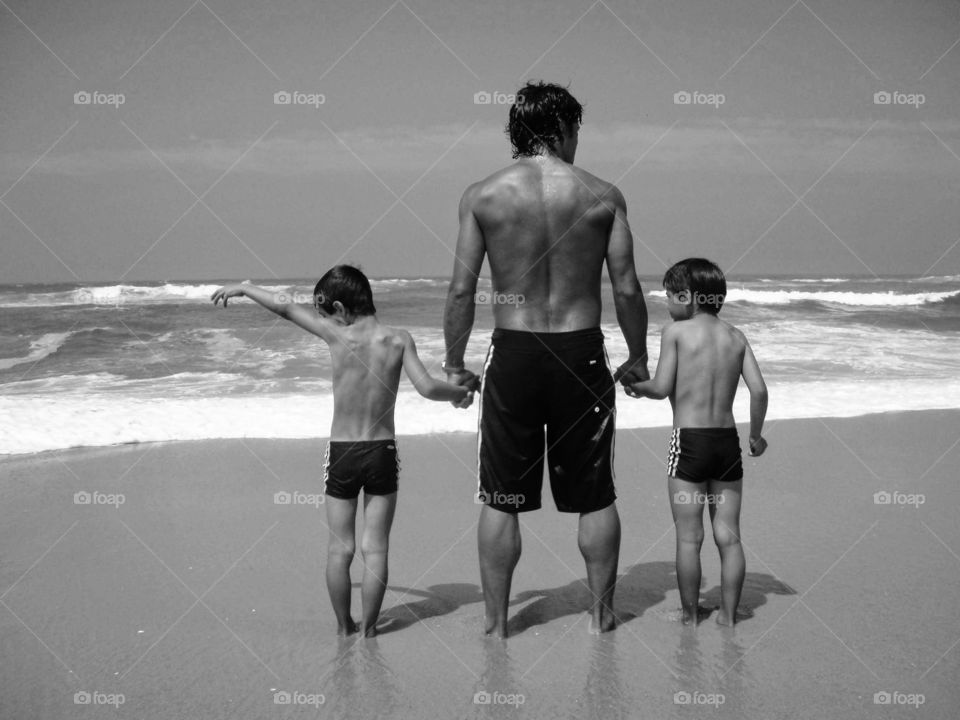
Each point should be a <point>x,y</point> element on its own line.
<point>547,228</point>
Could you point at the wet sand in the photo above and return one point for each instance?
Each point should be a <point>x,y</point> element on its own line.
<point>200,596</point>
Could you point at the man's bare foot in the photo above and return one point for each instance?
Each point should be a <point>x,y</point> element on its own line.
<point>349,629</point>
<point>370,632</point>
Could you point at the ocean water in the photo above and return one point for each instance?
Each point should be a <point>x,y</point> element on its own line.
<point>93,365</point>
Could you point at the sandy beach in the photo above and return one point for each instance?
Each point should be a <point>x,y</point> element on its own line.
<point>173,578</point>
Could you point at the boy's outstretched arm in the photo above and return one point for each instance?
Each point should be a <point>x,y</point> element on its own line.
<point>301,315</point>
<point>758,400</point>
<point>427,385</point>
<point>661,385</point>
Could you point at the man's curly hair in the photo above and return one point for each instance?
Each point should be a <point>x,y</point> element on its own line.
<point>538,117</point>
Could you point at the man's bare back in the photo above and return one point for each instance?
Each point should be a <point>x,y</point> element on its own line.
<point>545,224</point>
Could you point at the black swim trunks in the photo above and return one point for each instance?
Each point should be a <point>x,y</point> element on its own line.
<point>370,465</point>
<point>701,454</point>
<point>553,388</point>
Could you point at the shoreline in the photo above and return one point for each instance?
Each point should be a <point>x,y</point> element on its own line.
<point>81,450</point>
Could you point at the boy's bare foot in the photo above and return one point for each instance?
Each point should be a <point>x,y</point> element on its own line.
<point>605,623</point>
<point>349,629</point>
<point>687,617</point>
<point>723,617</point>
<point>493,628</point>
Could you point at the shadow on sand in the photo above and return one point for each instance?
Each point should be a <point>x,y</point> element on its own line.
<point>436,600</point>
<point>640,588</point>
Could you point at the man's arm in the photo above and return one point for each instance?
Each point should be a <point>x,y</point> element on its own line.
<point>459,311</point>
<point>758,400</point>
<point>301,315</point>
<point>662,384</point>
<point>627,295</point>
<point>425,384</point>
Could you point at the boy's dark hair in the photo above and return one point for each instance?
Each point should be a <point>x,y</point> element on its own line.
<point>348,285</point>
<point>702,279</point>
<point>538,117</point>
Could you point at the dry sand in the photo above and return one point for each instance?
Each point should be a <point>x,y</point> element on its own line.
<point>200,597</point>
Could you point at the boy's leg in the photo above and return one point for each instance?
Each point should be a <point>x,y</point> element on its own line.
<point>599,540</point>
<point>498,540</point>
<point>377,520</point>
<point>686,504</point>
<point>725,514</point>
<point>341,516</point>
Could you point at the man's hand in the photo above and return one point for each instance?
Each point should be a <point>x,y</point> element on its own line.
<point>634,370</point>
<point>227,291</point>
<point>469,380</point>
<point>757,446</point>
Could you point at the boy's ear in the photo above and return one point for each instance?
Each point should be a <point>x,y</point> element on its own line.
<point>339,309</point>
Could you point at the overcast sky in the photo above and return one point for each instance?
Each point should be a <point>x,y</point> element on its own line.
<point>198,174</point>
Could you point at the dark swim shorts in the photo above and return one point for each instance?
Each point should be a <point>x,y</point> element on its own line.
<point>701,454</point>
<point>369,465</point>
<point>554,388</point>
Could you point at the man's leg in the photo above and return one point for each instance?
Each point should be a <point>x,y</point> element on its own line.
<point>377,519</point>
<point>498,541</point>
<point>341,516</point>
<point>686,503</point>
<point>599,540</point>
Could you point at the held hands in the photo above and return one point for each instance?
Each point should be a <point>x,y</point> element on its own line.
<point>757,446</point>
<point>634,370</point>
<point>227,291</point>
<point>467,379</point>
<point>630,389</point>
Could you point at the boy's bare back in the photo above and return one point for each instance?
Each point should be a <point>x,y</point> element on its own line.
<point>710,356</point>
<point>367,359</point>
